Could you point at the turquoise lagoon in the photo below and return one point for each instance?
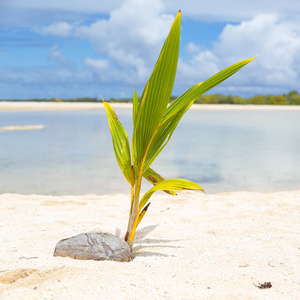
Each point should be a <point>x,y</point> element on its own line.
<point>222,150</point>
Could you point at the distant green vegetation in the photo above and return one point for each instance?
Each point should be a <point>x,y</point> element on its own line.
<point>292,98</point>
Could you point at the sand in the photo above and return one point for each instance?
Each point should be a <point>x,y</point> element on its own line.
<point>192,246</point>
<point>18,105</point>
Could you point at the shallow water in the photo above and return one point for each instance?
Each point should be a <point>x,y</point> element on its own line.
<point>223,151</point>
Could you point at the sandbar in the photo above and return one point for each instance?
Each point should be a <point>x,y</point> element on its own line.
<point>28,105</point>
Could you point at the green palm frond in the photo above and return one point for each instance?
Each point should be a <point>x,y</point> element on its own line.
<point>154,178</point>
<point>120,142</point>
<point>156,96</point>
<point>180,106</point>
<point>135,105</point>
<point>202,87</point>
<point>170,184</point>
<point>143,212</point>
<point>153,125</point>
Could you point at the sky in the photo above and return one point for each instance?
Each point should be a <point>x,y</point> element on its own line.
<point>69,49</point>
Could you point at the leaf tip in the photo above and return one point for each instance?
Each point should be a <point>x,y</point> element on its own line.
<point>251,58</point>
<point>179,14</point>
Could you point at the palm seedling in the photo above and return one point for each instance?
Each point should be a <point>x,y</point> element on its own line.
<point>154,122</point>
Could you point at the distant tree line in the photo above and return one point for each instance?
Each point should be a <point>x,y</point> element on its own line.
<point>292,98</point>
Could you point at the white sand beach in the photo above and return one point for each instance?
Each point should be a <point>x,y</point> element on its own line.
<point>193,246</point>
<point>27,105</point>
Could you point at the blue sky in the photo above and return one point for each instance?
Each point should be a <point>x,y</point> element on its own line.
<point>66,49</point>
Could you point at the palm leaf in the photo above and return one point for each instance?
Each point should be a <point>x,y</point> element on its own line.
<point>120,142</point>
<point>143,212</point>
<point>202,87</point>
<point>156,96</point>
<point>135,106</point>
<point>179,107</point>
<point>154,178</point>
<point>170,184</point>
<point>163,135</point>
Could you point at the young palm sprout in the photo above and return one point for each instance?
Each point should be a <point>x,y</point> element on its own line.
<point>154,122</point>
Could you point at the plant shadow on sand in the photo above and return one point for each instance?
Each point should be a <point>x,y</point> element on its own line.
<point>142,242</point>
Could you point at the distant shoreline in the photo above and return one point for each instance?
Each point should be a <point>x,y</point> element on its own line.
<point>7,105</point>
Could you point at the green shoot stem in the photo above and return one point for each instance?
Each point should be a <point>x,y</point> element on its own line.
<point>134,211</point>
<point>130,212</point>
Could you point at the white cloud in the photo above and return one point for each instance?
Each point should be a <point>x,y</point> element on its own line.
<point>276,40</point>
<point>200,67</point>
<point>38,82</point>
<point>97,64</point>
<point>62,29</point>
<point>99,67</point>
<point>131,38</point>
<point>57,56</point>
<point>129,43</point>
<point>214,10</point>
<point>60,76</point>
<point>87,6</point>
<point>232,10</point>
<point>192,48</point>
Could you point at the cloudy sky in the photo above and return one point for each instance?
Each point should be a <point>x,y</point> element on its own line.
<point>78,48</point>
